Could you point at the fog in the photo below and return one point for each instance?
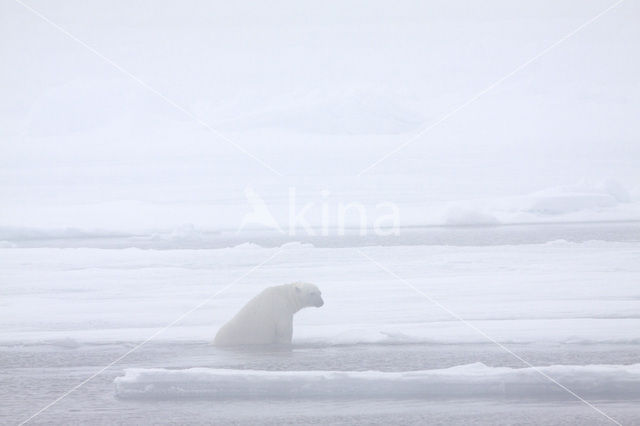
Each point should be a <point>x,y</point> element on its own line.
<point>113,110</point>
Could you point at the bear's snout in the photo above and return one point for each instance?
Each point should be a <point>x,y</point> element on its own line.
<point>319,303</point>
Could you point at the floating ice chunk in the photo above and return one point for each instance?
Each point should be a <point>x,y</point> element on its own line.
<point>296,245</point>
<point>470,380</point>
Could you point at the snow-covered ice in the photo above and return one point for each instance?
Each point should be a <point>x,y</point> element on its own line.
<point>557,292</point>
<point>471,380</point>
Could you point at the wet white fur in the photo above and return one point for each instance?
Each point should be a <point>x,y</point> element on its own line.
<point>268,317</point>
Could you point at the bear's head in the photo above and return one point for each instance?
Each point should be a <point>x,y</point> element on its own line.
<point>308,295</point>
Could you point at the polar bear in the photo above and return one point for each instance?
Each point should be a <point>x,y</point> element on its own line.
<point>268,317</point>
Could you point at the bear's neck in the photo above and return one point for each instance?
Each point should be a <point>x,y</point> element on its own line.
<point>295,301</point>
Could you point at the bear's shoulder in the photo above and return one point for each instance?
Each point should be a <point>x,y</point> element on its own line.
<point>279,290</point>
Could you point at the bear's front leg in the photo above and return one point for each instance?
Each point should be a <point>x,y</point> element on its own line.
<point>284,331</point>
